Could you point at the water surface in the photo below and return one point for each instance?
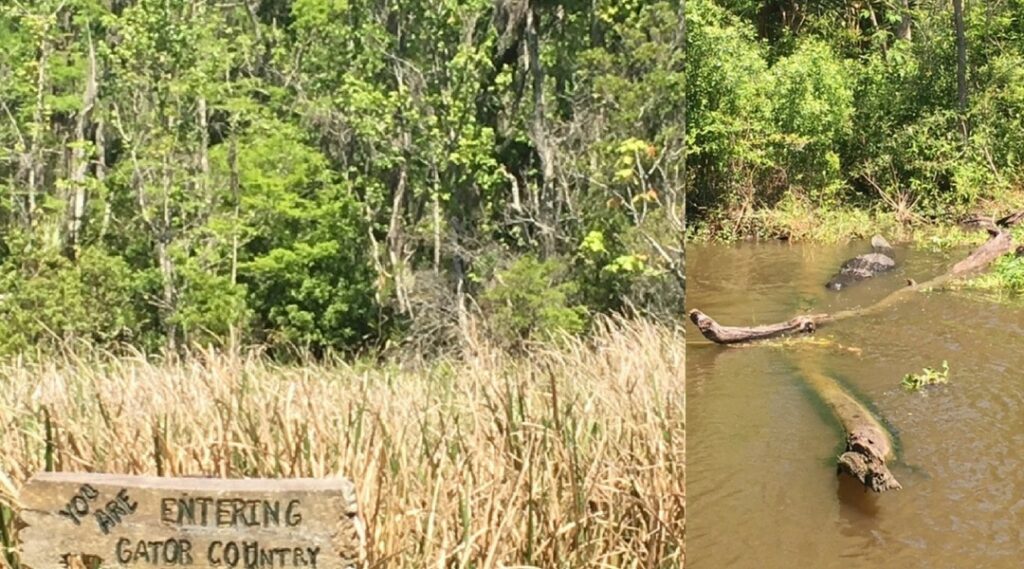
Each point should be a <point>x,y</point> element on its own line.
<point>761,453</point>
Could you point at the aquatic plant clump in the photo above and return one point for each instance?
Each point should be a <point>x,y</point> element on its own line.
<point>928,376</point>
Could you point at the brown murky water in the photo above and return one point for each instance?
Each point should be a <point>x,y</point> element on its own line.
<point>761,476</point>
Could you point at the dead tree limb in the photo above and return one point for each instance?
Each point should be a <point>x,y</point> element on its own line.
<point>737,334</point>
<point>999,244</point>
<point>869,446</point>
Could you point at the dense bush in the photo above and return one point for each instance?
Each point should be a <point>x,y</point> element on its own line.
<point>530,300</point>
<point>824,106</point>
<point>47,301</point>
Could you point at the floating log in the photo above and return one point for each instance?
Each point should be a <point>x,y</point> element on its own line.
<point>869,445</point>
<point>735,334</point>
<point>999,244</point>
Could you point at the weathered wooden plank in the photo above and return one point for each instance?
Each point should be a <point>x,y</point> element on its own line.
<point>138,521</point>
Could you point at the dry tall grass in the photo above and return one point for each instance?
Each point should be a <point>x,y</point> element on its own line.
<point>569,457</point>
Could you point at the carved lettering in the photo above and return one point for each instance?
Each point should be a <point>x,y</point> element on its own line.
<point>229,512</point>
<point>271,514</point>
<point>231,554</point>
<point>204,504</point>
<point>123,553</point>
<point>78,505</point>
<point>154,552</point>
<point>251,555</point>
<point>167,511</point>
<point>186,552</point>
<point>164,523</point>
<point>291,515</point>
<point>115,511</point>
<point>214,558</point>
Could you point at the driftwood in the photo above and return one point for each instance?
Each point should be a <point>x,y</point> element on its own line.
<point>989,222</point>
<point>999,244</point>
<point>735,334</point>
<point>868,443</point>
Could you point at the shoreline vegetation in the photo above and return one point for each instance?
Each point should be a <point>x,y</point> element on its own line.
<point>843,224</point>
<point>1003,281</point>
<point>828,122</point>
<point>568,455</point>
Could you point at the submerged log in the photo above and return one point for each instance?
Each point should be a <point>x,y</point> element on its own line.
<point>869,446</point>
<point>999,244</point>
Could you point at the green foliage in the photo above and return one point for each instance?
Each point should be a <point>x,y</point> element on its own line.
<point>211,307</point>
<point>944,238</point>
<point>312,295</point>
<point>287,173</point>
<point>48,302</point>
<point>927,377</point>
<point>1010,272</point>
<point>830,108</point>
<point>530,300</point>
<point>729,112</point>
<point>1005,278</point>
<point>812,98</point>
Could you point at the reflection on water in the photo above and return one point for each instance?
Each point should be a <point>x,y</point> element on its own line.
<point>760,467</point>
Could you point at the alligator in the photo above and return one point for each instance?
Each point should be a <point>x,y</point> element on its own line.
<point>861,267</point>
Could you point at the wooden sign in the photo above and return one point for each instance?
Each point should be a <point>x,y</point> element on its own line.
<point>139,522</point>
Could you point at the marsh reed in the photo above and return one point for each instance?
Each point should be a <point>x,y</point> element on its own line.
<point>568,456</point>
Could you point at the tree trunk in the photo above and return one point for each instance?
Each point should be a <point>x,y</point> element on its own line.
<point>236,198</point>
<point>436,207</point>
<point>33,156</point>
<point>163,241</point>
<point>904,31</point>
<point>168,299</point>
<point>875,26</point>
<point>79,160</point>
<point>538,132</point>
<point>961,64</point>
<point>868,443</point>
<point>101,173</point>
<point>203,154</point>
<point>397,257</point>
<point>396,234</point>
